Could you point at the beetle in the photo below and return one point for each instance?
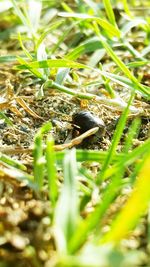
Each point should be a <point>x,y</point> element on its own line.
<point>85,120</point>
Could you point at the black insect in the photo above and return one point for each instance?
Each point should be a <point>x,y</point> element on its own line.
<point>84,121</point>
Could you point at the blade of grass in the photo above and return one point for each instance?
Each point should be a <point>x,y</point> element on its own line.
<point>132,133</point>
<point>34,13</point>
<point>20,14</point>
<point>27,67</point>
<point>6,119</point>
<point>23,47</point>
<point>132,50</point>
<point>62,37</point>
<point>9,58</point>
<point>131,24</point>
<point>126,8</point>
<point>50,29</point>
<point>109,12</point>
<point>126,82</point>
<point>66,213</point>
<point>129,158</point>
<point>89,45</point>
<point>111,53</point>
<point>12,174</point>
<point>110,29</point>
<point>116,138</point>
<point>38,155</point>
<point>62,73</point>
<point>12,162</point>
<point>51,169</point>
<point>93,220</point>
<point>135,207</point>
<point>107,84</point>
<point>88,155</point>
<point>42,55</point>
<point>118,61</point>
<point>51,63</point>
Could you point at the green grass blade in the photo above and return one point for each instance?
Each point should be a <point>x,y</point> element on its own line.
<point>38,155</point>
<point>111,53</point>
<point>109,28</point>
<point>118,61</point>
<point>14,173</point>
<point>107,84</point>
<point>51,63</point>
<point>87,155</point>
<point>132,133</point>
<point>61,75</point>
<point>128,159</point>
<point>34,13</point>
<point>27,67</point>
<point>42,55</point>
<point>20,14</point>
<point>135,207</point>
<point>43,35</point>
<point>109,12</point>
<point>23,47</point>
<point>6,119</point>
<point>8,58</point>
<point>126,7</point>
<point>12,162</point>
<point>132,50</point>
<point>116,138</point>
<point>93,220</point>
<point>51,169</point>
<point>62,37</point>
<point>88,46</point>
<point>131,24</point>
<point>137,64</point>
<point>38,161</point>
<point>126,82</point>
<point>66,213</point>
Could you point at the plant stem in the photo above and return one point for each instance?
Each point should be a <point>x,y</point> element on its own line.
<point>118,103</point>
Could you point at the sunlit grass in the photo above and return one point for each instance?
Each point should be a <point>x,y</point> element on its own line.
<point>80,199</point>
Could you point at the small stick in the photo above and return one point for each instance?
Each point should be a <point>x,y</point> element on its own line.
<point>76,141</point>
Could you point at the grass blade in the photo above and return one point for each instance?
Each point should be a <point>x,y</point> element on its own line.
<point>51,169</point>
<point>115,140</point>
<point>20,14</point>
<point>35,9</point>
<point>109,11</point>
<point>110,29</point>
<point>51,63</point>
<point>38,155</point>
<point>66,214</point>
<point>6,119</point>
<point>28,55</point>
<point>26,67</point>
<point>118,61</point>
<point>136,205</point>
<point>93,220</point>
<point>12,162</point>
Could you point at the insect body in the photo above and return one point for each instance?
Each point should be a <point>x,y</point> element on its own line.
<point>85,121</point>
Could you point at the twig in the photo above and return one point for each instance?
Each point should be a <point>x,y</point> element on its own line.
<point>76,141</point>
